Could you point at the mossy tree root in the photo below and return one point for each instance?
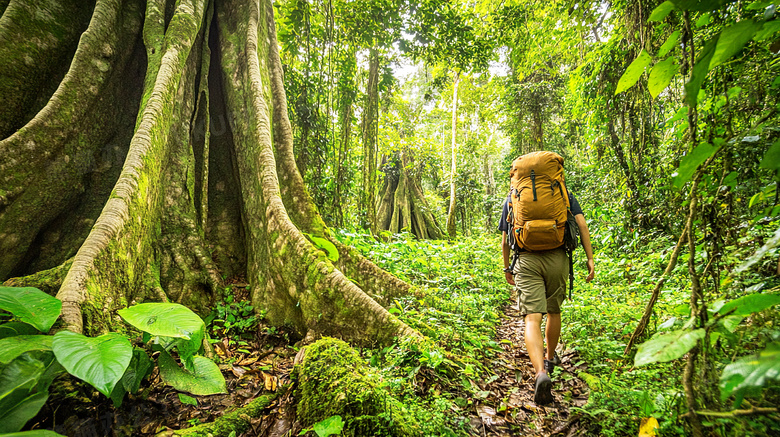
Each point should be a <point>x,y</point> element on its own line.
<point>37,38</point>
<point>114,257</point>
<point>374,281</point>
<point>332,379</point>
<point>49,281</point>
<point>70,136</point>
<point>293,280</point>
<point>237,421</point>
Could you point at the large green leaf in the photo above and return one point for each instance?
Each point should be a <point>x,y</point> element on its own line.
<point>12,329</point>
<point>667,347</point>
<point>750,373</point>
<point>12,347</point>
<point>718,50</point>
<point>690,162</point>
<point>767,30</point>
<point>732,39</point>
<point>633,72</point>
<point>752,303</point>
<point>31,305</point>
<point>771,158</point>
<point>34,433</point>
<point>24,386</point>
<point>671,41</point>
<point>13,419</point>
<point>661,75</point>
<point>331,426</point>
<point>205,379</point>
<point>700,5</point>
<point>18,379</point>
<point>100,361</point>
<point>661,11</point>
<point>140,367</point>
<point>168,320</point>
<point>326,245</point>
<point>700,70</point>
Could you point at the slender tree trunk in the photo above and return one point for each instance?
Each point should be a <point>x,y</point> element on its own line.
<point>347,97</point>
<point>370,125</point>
<point>159,220</point>
<point>451,213</point>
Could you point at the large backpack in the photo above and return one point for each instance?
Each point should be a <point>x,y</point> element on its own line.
<point>539,202</point>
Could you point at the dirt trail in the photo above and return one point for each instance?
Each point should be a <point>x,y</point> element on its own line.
<point>509,409</point>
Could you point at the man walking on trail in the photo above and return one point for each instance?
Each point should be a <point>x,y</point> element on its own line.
<point>540,279</point>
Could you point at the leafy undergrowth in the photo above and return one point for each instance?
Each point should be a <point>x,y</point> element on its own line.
<point>473,372</point>
<point>255,359</point>
<point>600,319</point>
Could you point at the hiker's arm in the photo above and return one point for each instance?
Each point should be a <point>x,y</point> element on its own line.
<point>510,278</point>
<point>585,237</point>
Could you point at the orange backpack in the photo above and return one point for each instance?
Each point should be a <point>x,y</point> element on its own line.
<point>539,201</point>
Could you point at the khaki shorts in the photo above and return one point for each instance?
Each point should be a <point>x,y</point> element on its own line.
<point>540,280</point>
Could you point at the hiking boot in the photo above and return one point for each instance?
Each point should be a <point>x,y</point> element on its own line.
<point>543,390</point>
<point>549,365</point>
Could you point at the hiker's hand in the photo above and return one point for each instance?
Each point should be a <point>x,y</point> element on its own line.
<point>591,270</point>
<point>510,278</point>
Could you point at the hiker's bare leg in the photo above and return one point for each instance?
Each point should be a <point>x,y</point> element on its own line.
<point>533,341</point>
<point>552,333</point>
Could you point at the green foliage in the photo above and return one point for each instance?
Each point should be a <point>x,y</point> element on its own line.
<point>667,347</point>
<point>750,374</point>
<point>231,318</point>
<point>100,361</point>
<point>31,305</point>
<point>12,347</point>
<point>326,245</point>
<point>171,324</point>
<point>633,72</point>
<point>327,427</point>
<point>203,378</point>
<point>691,162</point>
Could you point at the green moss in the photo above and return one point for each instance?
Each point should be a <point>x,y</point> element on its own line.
<point>333,380</point>
<point>48,281</point>
<point>237,420</point>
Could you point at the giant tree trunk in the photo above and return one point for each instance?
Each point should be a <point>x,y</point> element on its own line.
<point>402,204</point>
<point>165,156</point>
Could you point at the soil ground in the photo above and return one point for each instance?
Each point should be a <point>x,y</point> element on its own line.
<point>509,409</point>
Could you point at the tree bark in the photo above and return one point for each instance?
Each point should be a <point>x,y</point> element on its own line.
<point>370,125</point>
<point>451,225</point>
<point>201,179</point>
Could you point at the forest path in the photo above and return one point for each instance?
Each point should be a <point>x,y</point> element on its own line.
<point>509,408</point>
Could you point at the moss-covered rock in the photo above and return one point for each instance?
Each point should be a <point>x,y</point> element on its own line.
<point>334,380</point>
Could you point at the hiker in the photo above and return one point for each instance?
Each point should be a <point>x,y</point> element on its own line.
<point>539,276</point>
